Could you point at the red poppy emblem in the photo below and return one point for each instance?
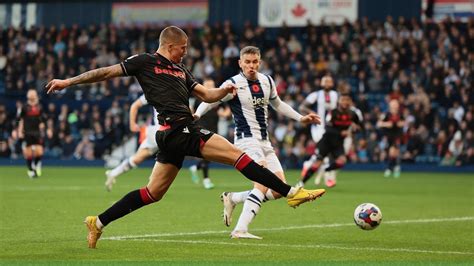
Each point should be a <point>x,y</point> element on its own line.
<point>255,88</point>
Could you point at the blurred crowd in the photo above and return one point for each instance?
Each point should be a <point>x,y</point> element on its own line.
<point>427,66</point>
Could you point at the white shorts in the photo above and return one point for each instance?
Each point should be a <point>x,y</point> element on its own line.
<point>260,151</point>
<point>149,142</point>
<point>317,132</point>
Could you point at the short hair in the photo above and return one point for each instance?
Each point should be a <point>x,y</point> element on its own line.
<point>345,94</point>
<point>172,34</point>
<point>250,50</point>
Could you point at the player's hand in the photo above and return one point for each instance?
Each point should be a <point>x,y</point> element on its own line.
<point>310,118</point>
<point>231,88</point>
<point>57,85</point>
<point>134,127</point>
<point>21,135</point>
<point>400,124</point>
<point>196,117</point>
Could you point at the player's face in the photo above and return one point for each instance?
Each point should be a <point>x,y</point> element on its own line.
<point>394,106</point>
<point>249,63</point>
<point>345,102</point>
<point>327,83</point>
<point>32,97</point>
<point>178,50</point>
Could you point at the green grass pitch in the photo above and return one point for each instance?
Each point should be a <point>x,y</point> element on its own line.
<point>428,218</point>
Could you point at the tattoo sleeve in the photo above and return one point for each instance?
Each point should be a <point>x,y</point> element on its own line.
<point>96,75</point>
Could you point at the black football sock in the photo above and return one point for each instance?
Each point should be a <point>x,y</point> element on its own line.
<point>391,163</point>
<point>204,165</point>
<point>29,163</point>
<point>309,173</point>
<point>129,203</point>
<point>260,174</point>
<point>38,160</point>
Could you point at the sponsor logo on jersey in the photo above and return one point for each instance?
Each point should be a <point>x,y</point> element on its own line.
<point>258,102</point>
<point>175,73</point>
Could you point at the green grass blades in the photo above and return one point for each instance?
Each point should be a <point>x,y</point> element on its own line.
<point>428,218</point>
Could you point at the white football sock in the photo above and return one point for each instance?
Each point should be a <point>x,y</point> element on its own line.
<point>123,167</point>
<point>239,197</point>
<point>251,207</point>
<point>269,195</point>
<point>98,223</point>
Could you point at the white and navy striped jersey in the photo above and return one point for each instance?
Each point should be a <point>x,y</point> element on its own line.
<point>250,105</point>
<point>154,121</point>
<point>322,102</point>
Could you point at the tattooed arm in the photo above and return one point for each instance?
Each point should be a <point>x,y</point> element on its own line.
<point>91,76</point>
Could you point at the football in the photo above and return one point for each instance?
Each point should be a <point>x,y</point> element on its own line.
<point>367,216</point>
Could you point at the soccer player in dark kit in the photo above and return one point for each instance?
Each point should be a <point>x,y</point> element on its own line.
<point>167,86</point>
<point>30,129</point>
<point>392,124</point>
<point>338,123</point>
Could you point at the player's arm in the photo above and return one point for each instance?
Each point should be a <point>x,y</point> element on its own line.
<point>213,95</point>
<point>288,111</point>
<point>384,124</point>
<point>203,108</point>
<point>305,107</point>
<point>20,128</point>
<point>137,104</point>
<point>96,75</point>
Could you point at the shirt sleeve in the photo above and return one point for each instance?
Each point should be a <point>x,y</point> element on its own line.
<point>311,98</point>
<point>229,96</point>
<point>273,90</point>
<point>143,100</point>
<point>133,65</point>
<point>190,80</point>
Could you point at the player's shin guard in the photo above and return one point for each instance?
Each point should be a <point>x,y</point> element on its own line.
<point>129,203</point>
<point>260,174</point>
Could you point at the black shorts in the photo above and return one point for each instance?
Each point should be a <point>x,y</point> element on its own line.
<point>33,139</point>
<point>394,140</point>
<point>179,141</point>
<point>330,144</point>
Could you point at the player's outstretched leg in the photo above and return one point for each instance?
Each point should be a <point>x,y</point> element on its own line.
<point>218,149</point>
<point>160,181</point>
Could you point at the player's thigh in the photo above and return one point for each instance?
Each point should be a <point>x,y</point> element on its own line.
<point>161,178</point>
<point>324,147</point>
<point>142,154</point>
<point>253,148</point>
<point>27,150</point>
<point>218,149</point>
<point>273,163</point>
<point>39,150</point>
<point>339,153</point>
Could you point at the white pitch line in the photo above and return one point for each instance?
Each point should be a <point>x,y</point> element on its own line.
<point>435,220</point>
<point>305,246</point>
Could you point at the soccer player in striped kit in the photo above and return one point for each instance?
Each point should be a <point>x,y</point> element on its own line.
<point>250,111</point>
<point>322,101</point>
